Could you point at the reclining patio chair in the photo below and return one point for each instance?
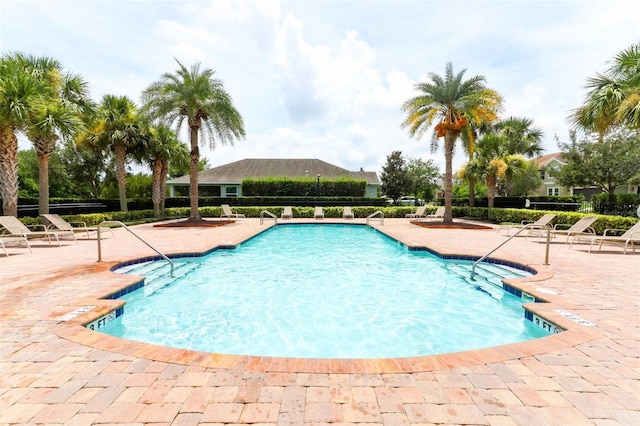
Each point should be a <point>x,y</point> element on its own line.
<point>630,237</point>
<point>12,227</point>
<point>438,214</point>
<point>581,227</point>
<point>287,213</point>
<point>8,239</point>
<point>419,213</point>
<point>319,213</point>
<point>538,227</point>
<point>347,213</point>
<point>228,213</point>
<point>55,222</point>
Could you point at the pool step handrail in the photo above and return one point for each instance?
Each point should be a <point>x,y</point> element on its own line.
<point>375,215</point>
<point>264,213</point>
<point>117,222</point>
<point>546,262</point>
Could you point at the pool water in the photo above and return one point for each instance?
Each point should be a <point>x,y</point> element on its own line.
<point>322,291</point>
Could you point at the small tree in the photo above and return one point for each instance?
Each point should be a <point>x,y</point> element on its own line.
<point>607,164</point>
<point>422,177</point>
<point>394,176</point>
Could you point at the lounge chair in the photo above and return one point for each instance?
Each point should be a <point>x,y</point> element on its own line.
<point>55,222</point>
<point>12,227</point>
<point>418,213</point>
<point>228,213</point>
<point>287,213</point>
<point>630,237</point>
<point>319,213</point>
<point>581,227</point>
<point>438,214</point>
<point>538,227</point>
<point>8,239</point>
<point>347,213</point>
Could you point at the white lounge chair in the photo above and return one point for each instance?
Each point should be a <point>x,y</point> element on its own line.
<point>228,213</point>
<point>438,214</point>
<point>581,227</point>
<point>9,239</point>
<point>319,213</point>
<point>287,213</point>
<point>418,213</point>
<point>347,213</point>
<point>12,227</point>
<point>55,222</point>
<point>539,226</point>
<point>630,237</point>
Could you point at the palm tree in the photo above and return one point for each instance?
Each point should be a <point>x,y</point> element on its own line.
<point>162,148</point>
<point>65,103</point>
<point>120,128</point>
<point>493,162</point>
<point>196,96</point>
<point>21,96</point>
<point>453,102</point>
<point>522,137</point>
<point>613,97</point>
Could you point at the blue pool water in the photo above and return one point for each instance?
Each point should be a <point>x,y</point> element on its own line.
<point>322,291</point>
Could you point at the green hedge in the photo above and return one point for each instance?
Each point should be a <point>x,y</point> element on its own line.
<point>476,213</point>
<point>303,187</point>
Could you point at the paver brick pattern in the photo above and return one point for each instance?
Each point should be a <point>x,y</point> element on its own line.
<point>46,379</point>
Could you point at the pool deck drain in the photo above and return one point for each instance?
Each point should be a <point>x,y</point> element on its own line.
<point>56,372</point>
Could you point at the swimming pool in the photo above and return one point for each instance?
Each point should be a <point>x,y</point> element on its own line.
<point>322,291</point>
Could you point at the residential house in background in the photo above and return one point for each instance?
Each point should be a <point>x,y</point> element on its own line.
<point>226,180</point>
<point>549,164</point>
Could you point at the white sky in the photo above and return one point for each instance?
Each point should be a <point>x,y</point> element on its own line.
<point>326,79</point>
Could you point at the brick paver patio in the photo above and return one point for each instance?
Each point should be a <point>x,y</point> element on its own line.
<point>54,371</point>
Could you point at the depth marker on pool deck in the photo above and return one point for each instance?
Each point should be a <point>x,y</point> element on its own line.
<point>75,313</point>
<point>574,317</point>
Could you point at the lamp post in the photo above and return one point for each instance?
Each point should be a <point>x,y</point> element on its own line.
<point>318,187</point>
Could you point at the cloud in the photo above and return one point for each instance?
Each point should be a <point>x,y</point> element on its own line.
<point>327,79</point>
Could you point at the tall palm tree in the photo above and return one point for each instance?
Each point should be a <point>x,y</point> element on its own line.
<point>453,102</point>
<point>492,162</point>
<point>61,115</point>
<point>21,96</point>
<point>162,149</point>
<point>196,96</point>
<point>522,137</point>
<point>613,97</point>
<point>120,128</point>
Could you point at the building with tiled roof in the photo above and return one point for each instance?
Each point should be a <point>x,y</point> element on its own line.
<point>226,180</point>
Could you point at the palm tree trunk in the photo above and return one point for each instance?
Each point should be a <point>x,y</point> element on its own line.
<point>156,187</point>
<point>43,183</point>
<point>121,158</point>
<point>194,215</point>
<point>9,171</point>
<point>163,187</point>
<point>449,140</point>
<point>491,191</point>
<point>472,191</point>
<point>44,149</point>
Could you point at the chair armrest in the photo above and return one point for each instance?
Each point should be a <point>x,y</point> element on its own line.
<point>15,231</point>
<point>37,227</point>
<point>557,226</point>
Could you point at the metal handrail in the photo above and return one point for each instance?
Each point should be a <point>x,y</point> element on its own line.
<point>268,213</point>
<point>546,260</point>
<point>132,233</point>
<point>374,214</point>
